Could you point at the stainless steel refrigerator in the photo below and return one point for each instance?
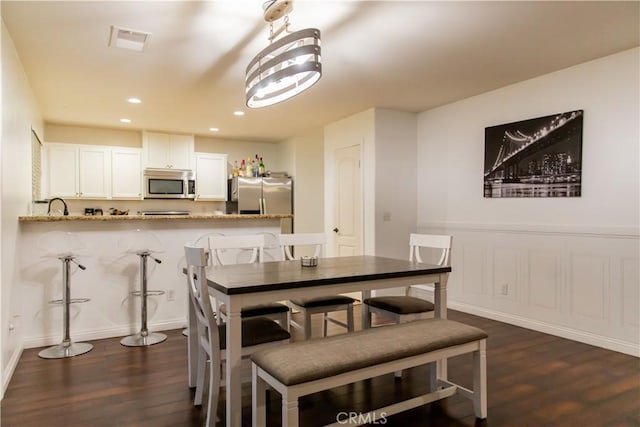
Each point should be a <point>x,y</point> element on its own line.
<point>272,195</point>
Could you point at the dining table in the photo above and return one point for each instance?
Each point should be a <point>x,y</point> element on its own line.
<point>241,285</point>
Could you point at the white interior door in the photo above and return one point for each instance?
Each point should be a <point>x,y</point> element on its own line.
<point>347,195</point>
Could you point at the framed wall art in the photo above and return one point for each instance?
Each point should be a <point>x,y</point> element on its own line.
<point>539,157</point>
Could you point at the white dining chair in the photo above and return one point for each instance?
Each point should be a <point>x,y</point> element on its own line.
<point>239,249</point>
<point>405,308</point>
<point>318,305</point>
<point>257,333</point>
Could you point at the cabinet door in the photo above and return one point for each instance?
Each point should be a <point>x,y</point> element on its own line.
<point>62,170</point>
<point>163,150</point>
<point>181,151</point>
<point>156,149</point>
<point>94,173</point>
<point>126,174</point>
<point>211,176</point>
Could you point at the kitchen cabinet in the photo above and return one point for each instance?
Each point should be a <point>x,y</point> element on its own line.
<point>78,172</point>
<point>211,176</point>
<point>162,150</point>
<point>126,173</point>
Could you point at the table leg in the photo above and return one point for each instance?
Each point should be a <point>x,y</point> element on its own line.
<point>192,343</point>
<point>234,359</point>
<point>440,302</point>
<point>365,310</point>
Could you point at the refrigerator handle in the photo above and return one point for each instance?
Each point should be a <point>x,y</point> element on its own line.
<point>262,206</point>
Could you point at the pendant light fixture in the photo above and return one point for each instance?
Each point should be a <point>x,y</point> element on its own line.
<point>289,65</point>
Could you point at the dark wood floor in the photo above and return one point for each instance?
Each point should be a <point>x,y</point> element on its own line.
<point>534,379</point>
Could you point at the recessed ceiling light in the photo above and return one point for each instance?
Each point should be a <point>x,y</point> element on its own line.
<point>134,100</point>
<point>238,113</point>
<point>214,129</point>
<point>125,120</point>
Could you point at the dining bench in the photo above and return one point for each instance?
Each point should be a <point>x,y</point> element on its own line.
<point>298,369</point>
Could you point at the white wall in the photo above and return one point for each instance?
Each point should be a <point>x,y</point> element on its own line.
<point>20,115</point>
<point>565,266</point>
<point>396,187</point>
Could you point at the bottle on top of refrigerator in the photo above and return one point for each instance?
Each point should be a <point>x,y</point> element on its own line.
<point>249,170</point>
<point>235,170</point>
<point>261,170</point>
<point>242,170</point>
<point>255,165</point>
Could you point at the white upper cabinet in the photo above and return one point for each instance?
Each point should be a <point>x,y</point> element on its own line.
<point>211,176</point>
<point>78,172</point>
<point>61,163</point>
<point>162,150</point>
<point>126,173</point>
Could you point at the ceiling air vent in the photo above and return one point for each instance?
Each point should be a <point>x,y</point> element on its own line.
<point>128,39</point>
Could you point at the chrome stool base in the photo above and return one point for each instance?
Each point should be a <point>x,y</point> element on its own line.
<point>140,339</point>
<point>69,350</point>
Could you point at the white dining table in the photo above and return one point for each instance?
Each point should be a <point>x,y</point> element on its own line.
<point>242,285</point>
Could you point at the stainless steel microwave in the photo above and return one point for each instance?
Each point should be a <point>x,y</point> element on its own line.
<point>169,184</point>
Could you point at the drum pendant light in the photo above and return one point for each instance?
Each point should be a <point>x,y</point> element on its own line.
<point>290,64</point>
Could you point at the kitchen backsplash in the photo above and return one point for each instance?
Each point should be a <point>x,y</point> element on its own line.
<point>77,207</point>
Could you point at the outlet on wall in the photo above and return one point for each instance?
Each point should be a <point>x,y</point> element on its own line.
<point>171,296</point>
<point>505,289</point>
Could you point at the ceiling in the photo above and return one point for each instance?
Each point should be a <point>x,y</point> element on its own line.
<point>404,55</point>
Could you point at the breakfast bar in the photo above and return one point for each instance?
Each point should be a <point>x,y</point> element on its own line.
<point>111,273</point>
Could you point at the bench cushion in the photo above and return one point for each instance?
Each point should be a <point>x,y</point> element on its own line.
<point>321,358</point>
<point>320,301</point>
<point>400,304</point>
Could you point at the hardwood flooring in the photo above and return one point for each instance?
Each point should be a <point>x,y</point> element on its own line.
<point>534,379</point>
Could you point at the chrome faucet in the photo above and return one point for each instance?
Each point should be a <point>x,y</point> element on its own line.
<point>66,211</point>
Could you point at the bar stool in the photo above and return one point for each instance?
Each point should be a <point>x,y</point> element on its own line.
<point>143,244</point>
<point>62,246</point>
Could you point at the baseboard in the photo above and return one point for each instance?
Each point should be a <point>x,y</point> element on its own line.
<point>118,331</point>
<point>620,346</point>
<point>10,369</point>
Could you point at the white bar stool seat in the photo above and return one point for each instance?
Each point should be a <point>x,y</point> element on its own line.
<point>143,244</point>
<point>65,247</point>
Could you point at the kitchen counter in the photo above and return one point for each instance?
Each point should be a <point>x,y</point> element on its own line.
<point>224,217</point>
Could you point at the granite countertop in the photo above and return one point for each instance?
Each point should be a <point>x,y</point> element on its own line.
<point>224,217</point>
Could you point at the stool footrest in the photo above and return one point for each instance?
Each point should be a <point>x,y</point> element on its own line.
<point>149,293</point>
<point>71,301</point>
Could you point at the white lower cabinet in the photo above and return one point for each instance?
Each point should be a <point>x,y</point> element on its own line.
<point>126,173</point>
<point>211,176</point>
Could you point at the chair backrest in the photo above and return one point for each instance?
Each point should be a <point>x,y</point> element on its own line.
<point>208,333</point>
<point>432,241</point>
<point>318,240</point>
<point>230,249</point>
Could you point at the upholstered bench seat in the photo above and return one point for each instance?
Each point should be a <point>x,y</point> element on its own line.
<point>401,304</point>
<point>306,367</point>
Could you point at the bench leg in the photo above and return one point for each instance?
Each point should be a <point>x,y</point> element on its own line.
<point>289,410</point>
<point>350,326</point>
<point>258,399</point>
<point>480,381</point>
<point>307,325</point>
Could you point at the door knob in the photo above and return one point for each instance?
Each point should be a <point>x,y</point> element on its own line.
<point>335,230</point>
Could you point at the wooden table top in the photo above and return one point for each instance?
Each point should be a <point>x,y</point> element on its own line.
<point>271,276</point>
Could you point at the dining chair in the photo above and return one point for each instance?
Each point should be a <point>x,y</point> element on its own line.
<point>319,305</point>
<point>239,249</point>
<point>257,333</point>
<point>405,308</point>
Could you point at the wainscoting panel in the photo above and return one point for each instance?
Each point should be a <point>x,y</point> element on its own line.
<point>544,280</point>
<point>578,283</point>
<point>630,292</point>
<point>588,287</point>
<point>505,273</point>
